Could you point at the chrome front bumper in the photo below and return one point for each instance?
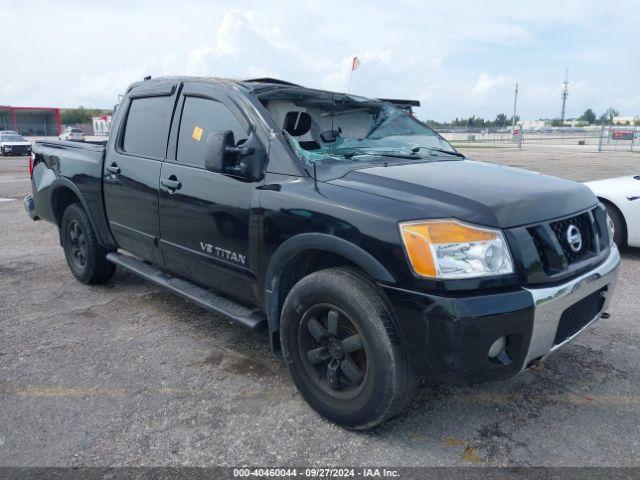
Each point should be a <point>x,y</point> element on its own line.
<point>550,303</point>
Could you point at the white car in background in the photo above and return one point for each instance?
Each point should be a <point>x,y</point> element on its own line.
<point>72,135</point>
<point>14,144</point>
<point>621,196</point>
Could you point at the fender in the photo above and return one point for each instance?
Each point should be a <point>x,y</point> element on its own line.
<point>63,182</point>
<point>315,241</point>
<point>625,208</point>
<point>608,198</point>
<point>616,202</point>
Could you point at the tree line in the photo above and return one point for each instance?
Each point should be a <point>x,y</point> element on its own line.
<point>501,120</point>
<point>80,115</point>
<point>589,117</point>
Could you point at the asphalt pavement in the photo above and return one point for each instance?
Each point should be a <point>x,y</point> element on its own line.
<point>128,374</point>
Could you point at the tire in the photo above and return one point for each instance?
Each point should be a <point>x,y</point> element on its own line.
<point>341,317</point>
<point>619,225</point>
<point>85,256</point>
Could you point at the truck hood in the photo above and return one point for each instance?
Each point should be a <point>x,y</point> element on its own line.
<point>475,192</point>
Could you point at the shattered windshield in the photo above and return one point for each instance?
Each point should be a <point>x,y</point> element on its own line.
<point>323,127</point>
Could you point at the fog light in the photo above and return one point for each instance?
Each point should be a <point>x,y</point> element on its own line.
<point>498,347</point>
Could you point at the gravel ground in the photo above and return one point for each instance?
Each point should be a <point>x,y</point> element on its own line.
<point>127,374</point>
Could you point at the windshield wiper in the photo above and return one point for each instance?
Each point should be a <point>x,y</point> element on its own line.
<point>381,154</point>
<point>448,152</point>
<point>398,155</point>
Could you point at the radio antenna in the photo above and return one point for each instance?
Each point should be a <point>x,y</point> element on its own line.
<point>315,177</point>
<point>333,106</point>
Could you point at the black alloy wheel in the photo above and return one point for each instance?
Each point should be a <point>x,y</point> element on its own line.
<point>78,244</point>
<point>342,349</point>
<point>87,259</point>
<point>332,350</point>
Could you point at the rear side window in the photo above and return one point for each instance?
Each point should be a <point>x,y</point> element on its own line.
<point>145,132</point>
<point>200,117</point>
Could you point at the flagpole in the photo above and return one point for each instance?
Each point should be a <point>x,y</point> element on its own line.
<point>355,63</point>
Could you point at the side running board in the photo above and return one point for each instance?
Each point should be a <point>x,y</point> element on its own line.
<point>246,317</point>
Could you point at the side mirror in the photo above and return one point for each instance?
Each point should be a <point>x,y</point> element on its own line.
<point>252,158</point>
<point>246,161</point>
<point>216,149</point>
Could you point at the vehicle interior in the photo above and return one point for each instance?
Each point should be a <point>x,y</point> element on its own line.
<point>325,126</point>
<point>316,119</point>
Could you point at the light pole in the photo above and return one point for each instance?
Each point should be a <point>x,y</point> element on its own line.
<point>515,103</point>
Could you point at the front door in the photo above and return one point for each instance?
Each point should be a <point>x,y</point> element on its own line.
<point>132,171</point>
<point>205,217</point>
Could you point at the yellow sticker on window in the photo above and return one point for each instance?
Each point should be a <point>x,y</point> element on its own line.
<point>197,134</point>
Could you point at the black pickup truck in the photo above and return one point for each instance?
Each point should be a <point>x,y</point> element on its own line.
<point>372,252</point>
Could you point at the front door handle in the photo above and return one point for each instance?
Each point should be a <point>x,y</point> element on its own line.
<point>113,169</point>
<point>172,183</point>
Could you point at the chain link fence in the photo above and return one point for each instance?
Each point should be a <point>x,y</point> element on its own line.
<point>616,137</point>
<point>600,138</point>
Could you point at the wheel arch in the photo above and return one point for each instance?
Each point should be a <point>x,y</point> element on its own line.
<point>607,201</point>
<point>304,254</point>
<point>64,193</point>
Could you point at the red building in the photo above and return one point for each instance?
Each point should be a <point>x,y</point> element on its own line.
<point>38,121</point>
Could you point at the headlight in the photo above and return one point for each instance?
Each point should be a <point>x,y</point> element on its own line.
<point>449,249</point>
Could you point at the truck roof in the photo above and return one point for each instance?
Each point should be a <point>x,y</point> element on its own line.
<point>255,84</point>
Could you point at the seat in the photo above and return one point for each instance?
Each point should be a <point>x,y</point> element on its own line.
<point>298,124</point>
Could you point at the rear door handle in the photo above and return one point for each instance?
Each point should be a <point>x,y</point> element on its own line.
<point>172,183</point>
<point>113,169</point>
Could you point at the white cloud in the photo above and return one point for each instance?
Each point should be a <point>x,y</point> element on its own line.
<point>15,88</point>
<point>631,104</point>
<point>238,38</point>
<point>460,58</point>
<point>487,83</point>
<point>106,86</point>
<point>498,33</point>
<point>262,71</point>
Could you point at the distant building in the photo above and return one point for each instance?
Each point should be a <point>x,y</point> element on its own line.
<point>534,124</point>
<point>37,121</point>
<point>574,122</point>
<point>626,120</point>
<point>101,125</point>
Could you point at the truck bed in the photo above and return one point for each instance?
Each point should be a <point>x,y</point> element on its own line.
<point>94,146</point>
<point>75,167</point>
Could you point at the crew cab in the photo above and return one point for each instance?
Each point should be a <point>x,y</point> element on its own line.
<point>371,251</point>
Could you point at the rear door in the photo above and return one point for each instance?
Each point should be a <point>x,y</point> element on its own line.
<point>132,170</point>
<point>205,219</point>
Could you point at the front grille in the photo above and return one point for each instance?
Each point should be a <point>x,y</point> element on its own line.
<point>585,227</point>
<point>578,315</point>
<point>551,241</point>
<point>19,149</point>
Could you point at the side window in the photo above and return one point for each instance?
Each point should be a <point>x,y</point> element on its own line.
<point>200,117</point>
<point>145,131</point>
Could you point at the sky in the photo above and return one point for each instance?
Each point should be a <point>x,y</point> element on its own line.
<point>459,58</point>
